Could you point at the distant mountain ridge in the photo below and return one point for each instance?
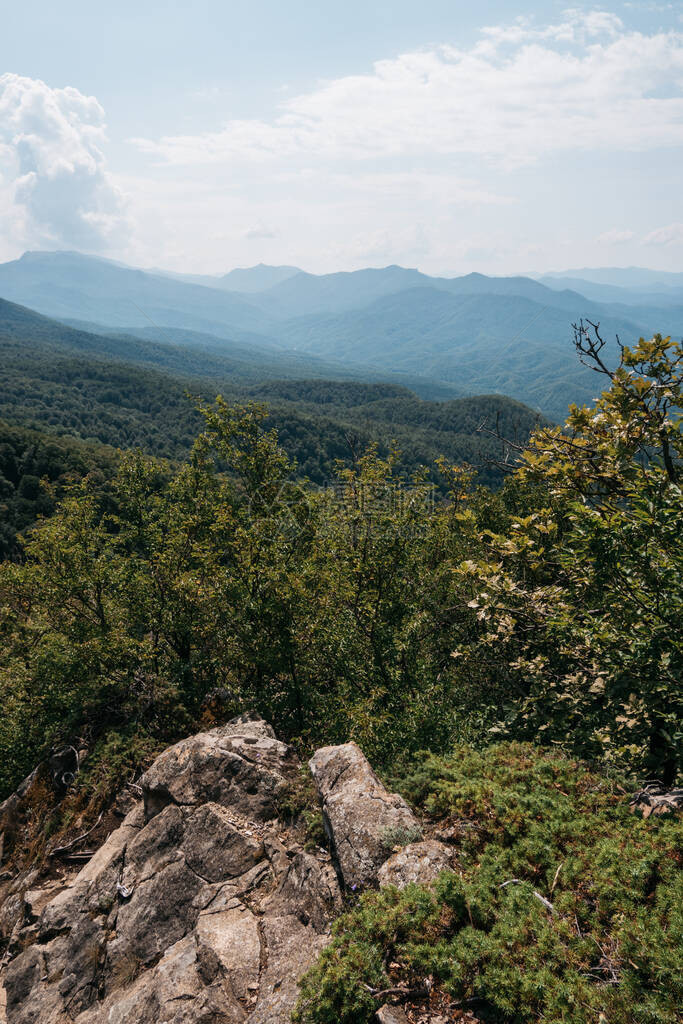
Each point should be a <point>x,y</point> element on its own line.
<point>242,279</point>
<point>192,354</point>
<point>131,392</point>
<point>256,279</point>
<point>67,285</point>
<point>511,345</point>
<point>622,277</point>
<point>511,335</point>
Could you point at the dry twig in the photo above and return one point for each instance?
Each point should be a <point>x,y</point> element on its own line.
<point>59,850</point>
<point>520,881</point>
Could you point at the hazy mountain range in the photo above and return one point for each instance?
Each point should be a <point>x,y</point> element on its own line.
<point>132,392</point>
<point>470,334</point>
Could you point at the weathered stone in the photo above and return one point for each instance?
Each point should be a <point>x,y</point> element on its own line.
<point>154,847</point>
<point>310,890</point>
<point>35,900</point>
<point>10,811</point>
<point>233,935</point>
<point>363,820</point>
<point>247,725</point>
<point>658,800</point>
<point>93,889</point>
<point>245,773</point>
<point>291,948</point>
<point>200,909</point>
<point>11,914</point>
<point>13,911</point>
<point>388,1014</point>
<point>74,962</point>
<point>221,894</point>
<point>23,980</point>
<point>215,849</point>
<point>45,981</point>
<point>159,912</point>
<point>417,862</point>
<point>176,991</point>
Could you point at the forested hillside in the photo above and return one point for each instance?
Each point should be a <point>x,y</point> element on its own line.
<point>478,334</point>
<point>544,617</point>
<point>368,608</point>
<point>36,471</point>
<point>185,352</point>
<point>129,393</point>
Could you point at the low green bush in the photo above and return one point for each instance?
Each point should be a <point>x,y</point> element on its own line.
<point>607,946</point>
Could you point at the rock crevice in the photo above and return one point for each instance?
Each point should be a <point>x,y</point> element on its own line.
<point>199,908</point>
<point>203,907</point>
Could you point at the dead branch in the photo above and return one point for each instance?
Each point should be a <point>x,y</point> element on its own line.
<point>405,993</point>
<point>60,850</point>
<point>557,875</point>
<point>520,881</point>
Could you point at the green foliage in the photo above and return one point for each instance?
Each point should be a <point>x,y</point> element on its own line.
<point>36,471</point>
<point>372,609</point>
<point>133,393</point>
<point>611,942</point>
<point>400,836</point>
<point>115,760</point>
<point>226,577</point>
<point>583,599</point>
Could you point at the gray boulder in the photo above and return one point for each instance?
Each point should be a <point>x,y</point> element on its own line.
<point>362,819</point>
<point>310,890</point>
<point>389,1014</point>
<point>656,799</point>
<point>243,772</point>
<point>417,862</point>
<point>201,908</point>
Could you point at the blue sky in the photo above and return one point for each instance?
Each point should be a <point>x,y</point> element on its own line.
<point>443,135</point>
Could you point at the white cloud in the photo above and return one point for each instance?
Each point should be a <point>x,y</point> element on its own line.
<point>521,92</point>
<point>517,150</point>
<point>577,26</point>
<point>672,234</point>
<point>615,237</point>
<point>54,186</point>
<point>258,232</point>
<point>412,184</point>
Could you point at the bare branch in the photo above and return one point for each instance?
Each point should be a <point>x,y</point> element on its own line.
<point>520,881</point>
<point>60,850</point>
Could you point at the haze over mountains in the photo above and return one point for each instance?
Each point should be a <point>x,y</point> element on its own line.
<point>116,389</point>
<point>471,334</point>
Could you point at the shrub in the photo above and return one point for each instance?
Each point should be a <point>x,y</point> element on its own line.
<point>611,942</point>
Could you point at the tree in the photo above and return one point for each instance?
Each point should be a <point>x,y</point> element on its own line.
<point>594,582</point>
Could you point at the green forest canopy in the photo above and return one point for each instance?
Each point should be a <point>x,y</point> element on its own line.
<point>368,609</point>
<point>159,597</point>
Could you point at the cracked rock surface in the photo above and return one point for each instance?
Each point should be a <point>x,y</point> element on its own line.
<point>202,907</point>
<point>362,819</point>
<point>656,799</point>
<point>198,909</point>
<point>417,862</point>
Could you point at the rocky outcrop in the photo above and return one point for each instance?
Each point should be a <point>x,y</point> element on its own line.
<point>362,819</point>
<point>9,812</point>
<point>201,907</point>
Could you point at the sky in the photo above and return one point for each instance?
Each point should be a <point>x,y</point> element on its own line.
<point>443,135</point>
